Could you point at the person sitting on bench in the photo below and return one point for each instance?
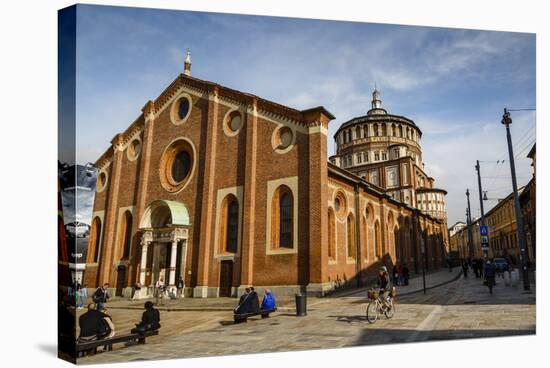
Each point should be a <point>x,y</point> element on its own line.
<point>268,301</point>
<point>248,303</point>
<point>150,320</point>
<point>95,325</point>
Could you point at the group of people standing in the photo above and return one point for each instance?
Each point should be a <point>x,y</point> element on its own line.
<point>400,275</point>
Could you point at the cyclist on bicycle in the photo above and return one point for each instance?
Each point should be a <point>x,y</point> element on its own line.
<point>384,283</point>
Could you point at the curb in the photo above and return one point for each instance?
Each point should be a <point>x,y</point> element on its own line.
<point>456,277</point>
<point>433,286</point>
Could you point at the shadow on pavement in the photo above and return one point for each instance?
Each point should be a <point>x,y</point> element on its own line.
<point>374,336</point>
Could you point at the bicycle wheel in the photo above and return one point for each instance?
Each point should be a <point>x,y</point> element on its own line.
<point>390,311</point>
<point>372,312</point>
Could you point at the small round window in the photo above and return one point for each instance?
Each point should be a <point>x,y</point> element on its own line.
<point>176,166</point>
<point>283,139</point>
<point>101,181</point>
<point>340,204</point>
<point>233,123</point>
<point>181,108</point>
<point>134,149</point>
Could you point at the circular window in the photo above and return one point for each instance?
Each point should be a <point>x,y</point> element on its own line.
<point>101,181</point>
<point>233,123</point>
<point>340,205</point>
<point>177,165</point>
<point>369,213</point>
<point>181,166</point>
<point>134,149</point>
<point>283,139</point>
<point>180,110</point>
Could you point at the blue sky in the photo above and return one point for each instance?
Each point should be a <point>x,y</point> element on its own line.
<point>453,83</point>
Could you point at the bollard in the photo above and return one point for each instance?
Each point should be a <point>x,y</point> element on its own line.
<point>301,305</point>
<point>506,278</point>
<point>515,277</point>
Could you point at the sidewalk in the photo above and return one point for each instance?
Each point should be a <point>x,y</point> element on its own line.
<point>416,283</point>
<point>433,279</point>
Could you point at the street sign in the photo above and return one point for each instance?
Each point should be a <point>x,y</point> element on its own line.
<point>484,230</point>
<point>484,239</point>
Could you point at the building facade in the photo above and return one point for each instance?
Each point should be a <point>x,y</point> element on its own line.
<point>501,219</point>
<point>226,190</point>
<point>385,150</point>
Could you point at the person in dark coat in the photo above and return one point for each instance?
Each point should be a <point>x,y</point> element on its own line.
<point>490,275</point>
<point>255,300</point>
<point>245,303</point>
<point>465,269</point>
<point>406,274</point>
<point>101,296</point>
<point>93,325</point>
<point>150,319</point>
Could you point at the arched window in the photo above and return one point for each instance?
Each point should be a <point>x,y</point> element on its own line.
<point>376,131</point>
<point>365,131</point>
<point>229,225</point>
<point>127,237</point>
<point>282,231</point>
<point>377,242</point>
<point>94,241</point>
<point>351,237</point>
<point>393,130</point>
<point>358,132</point>
<point>349,135</point>
<point>384,131</point>
<point>331,234</point>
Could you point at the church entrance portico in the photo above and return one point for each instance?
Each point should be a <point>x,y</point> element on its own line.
<point>164,241</point>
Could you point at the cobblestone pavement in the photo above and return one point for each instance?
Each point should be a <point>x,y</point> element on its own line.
<point>460,309</point>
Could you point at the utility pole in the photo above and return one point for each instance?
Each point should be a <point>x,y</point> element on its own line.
<point>469,222</point>
<point>482,223</point>
<point>507,120</point>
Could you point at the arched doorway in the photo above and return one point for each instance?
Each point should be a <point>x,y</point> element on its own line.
<point>164,232</point>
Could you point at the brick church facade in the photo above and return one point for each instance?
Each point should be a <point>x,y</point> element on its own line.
<point>226,190</point>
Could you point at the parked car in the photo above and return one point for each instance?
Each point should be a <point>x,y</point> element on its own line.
<point>501,264</point>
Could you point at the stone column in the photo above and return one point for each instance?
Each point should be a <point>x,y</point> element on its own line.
<point>173,255</point>
<point>155,266</point>
<point>146,238</point>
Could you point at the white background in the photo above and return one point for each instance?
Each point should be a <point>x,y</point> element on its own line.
<point>28,154</point>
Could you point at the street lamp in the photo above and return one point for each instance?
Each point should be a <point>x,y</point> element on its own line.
<point>524,257</point>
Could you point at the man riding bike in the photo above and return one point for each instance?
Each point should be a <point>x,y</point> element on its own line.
<point>385,286</point>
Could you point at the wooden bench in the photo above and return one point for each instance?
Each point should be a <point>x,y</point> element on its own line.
<point>238,318</point>
<point>91,346</point>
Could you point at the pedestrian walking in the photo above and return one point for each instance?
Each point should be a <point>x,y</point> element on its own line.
<point>159,290</point>
<point>101,296</point>
<point>400,275</point>
<point>179,286</point>
<point>490,276</point>
<point>465,269</point>
<point>83,295</point>
<point>405,274</point>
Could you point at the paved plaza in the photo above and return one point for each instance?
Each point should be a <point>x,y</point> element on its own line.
<point>458,308</point>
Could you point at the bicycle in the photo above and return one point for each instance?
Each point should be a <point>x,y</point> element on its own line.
<point>377,306</point>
